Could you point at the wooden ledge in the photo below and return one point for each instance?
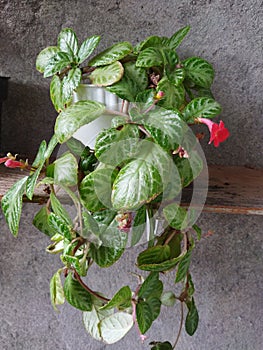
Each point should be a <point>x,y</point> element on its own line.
<point>232,189</point>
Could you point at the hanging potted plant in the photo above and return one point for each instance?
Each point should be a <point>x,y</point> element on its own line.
<point>126,186</point>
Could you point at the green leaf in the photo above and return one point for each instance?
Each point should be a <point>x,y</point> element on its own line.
<point>198,231</point>
<point>69,83</point>
<point>75,146</point>
<point>114,146</point>
<point>107,75</point>
<point>139,225</point>
<point>76,295</point>
<point>166,127</point>
<point>178,37</point>
<point>51,146</point>
<point>174,96</point>
<point>87,47</point>
<point>151,41</point>
<point>133,82</point>
<point>75,116</point>
<point>95,189</point>
<point>113,246</point>
<point>192,318</point>
<point>112,54</point>
<point>92,319</point>
<point>67,41</point>
<point>175,76</point>
<point>12,205</point>
<point>176,216</point>
<point>65,171</point>
<point>143,179</point>
<point>59,226</point>
<point>199,71</point>
<point>59,210</point>
<point>151,287</point>
<point>154,255</point>
<point>201,107</point>
<point>40,221</point>
<point>114,327</point>
<point>189,168</point>
<point>150,57</point>
<point>163,266</point>
<point>147,312</point>
<point>44,56</point>
<point>168,298</point>
<point>56,290</point>
<point>56,93</point>
<point>183,267</point>
<point>121,300</point>
<point>161,346</point>
<point>57,63</point>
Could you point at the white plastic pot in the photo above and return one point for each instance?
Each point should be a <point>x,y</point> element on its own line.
<point>87,134</point>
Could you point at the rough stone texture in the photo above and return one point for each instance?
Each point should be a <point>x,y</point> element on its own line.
<point>227,33</point>
<point>227,267</point>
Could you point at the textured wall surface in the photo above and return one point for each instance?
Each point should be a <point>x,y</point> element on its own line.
<point>227,267</point>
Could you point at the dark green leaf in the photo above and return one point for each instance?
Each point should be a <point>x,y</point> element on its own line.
<point>87,47</point>
<point>59,210</point>
<point>121,300</point>
<point>75,116</point>
<point>192,318</point>
<point>151,41</point>
<point>133,82</point>
<point>75,146</point>
<point>161,346</point>
<point>116,146</point>
<point>151,287</point>
<point>57,63</point>
<point>174,96</point>
<point>177,37</point>
<point>175,76</point>
<point>176,216</point>
<point>112,54</point>
<point>12,204</point>
<point>166,127</point>
<point>76,295</point>
<point>162,266</point>
<point>147,312</point>
<point>139,224</point>
<point>150,57</point>
<point>154,255</point>
<point>183,267</point>
<point>95,189</point>
<point>107,75</point>
<point>201,107</point>
<point>198,71</point>
<point>40,221</point>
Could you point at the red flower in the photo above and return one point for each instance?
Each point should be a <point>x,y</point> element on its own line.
<point>10,163</point>
<point>3,160</point>
<point>218,132</point>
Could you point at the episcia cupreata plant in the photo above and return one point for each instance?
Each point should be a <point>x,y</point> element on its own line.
<point>126,189</point>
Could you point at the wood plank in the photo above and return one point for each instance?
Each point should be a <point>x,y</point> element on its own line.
<point>231,190</point>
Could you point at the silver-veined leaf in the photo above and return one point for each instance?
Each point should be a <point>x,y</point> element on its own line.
<point>150,57</point>
<point>114,327</point>
<point>107,75</point>
<point>44,56</point>
<point>199,71</point>
<point>56,93</point>
<point>65,170</point>
<point>87,47</point>
<point>67,42</point>
<point>75,116</point>
<point>56,290</point>
<point>114,53</point>
<point>12,204</point>
<point>56,64</point>
<point>69,83</point>
<point>201,107</point>
<point>177,37</point>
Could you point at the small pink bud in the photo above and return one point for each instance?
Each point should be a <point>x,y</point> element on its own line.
<point>159,95</point>
<point>10,163</point>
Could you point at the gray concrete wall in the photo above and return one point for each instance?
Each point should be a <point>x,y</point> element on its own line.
<point>227,267</point>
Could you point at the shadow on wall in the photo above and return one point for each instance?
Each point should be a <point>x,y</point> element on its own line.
<point>28,117</point>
